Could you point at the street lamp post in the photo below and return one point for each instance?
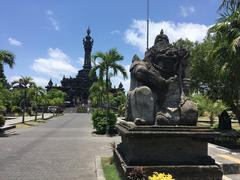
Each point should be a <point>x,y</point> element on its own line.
<point>147,24</point>
<point>24,105</point>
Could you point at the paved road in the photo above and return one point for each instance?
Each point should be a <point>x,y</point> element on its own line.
<point>62,148</point>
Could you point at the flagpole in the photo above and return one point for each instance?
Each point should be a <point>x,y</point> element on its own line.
<point>147,24</point>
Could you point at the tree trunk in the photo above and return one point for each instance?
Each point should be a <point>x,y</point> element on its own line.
<point>236,111</point>
<point>42,112</point>
<point>107,114</point>
<point>1,71</point>
<point>36,114</point>
<point>211,119</point>
<point>24,105</point>
<point>2,76</point>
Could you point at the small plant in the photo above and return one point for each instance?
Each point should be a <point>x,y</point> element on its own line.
<point>137,174</point>
<point>2,121</point>
<point>160,176</point>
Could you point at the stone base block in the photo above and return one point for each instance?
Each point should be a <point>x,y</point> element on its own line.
<point>179,150</point>
<point>179,172</point>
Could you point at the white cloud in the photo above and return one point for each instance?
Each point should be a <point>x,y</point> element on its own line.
<point>115,32</point>
<point>49,12</point>
<point>136,34</point>
<point>56,65</point>
<point>53,21</point>
<point>187,10</point>
<point>14,78</point>
<point>81,60</point>
<point>126,82</point>
<point>40,81</point>
<point>14,42</point>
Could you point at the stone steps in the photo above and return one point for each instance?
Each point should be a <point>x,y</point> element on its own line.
<point>231,177</point>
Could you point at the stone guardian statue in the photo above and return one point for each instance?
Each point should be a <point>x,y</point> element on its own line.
<point>156,95</point>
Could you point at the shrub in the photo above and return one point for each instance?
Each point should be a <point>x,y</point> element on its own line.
<point>2,121</point>
<point>82,109</point>
<point>99,121</point>
<point>160,176</point>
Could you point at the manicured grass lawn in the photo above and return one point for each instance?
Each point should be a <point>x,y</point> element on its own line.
<point>109,169</point>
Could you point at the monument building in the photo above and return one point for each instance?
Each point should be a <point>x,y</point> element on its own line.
<point>77,89</point>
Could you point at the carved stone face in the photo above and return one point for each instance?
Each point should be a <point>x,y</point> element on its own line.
<point>165,61</point>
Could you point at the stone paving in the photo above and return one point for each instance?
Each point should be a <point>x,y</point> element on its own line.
<point>62,148</point>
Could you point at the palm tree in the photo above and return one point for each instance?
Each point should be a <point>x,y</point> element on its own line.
<point>96,93</point>
<point>226,53</point>
<point>227,26</point>
<point>36,95</point>
<point>6,57</point>
<point>108,65</point>
<point>44,101</point>
<point>24,83</point>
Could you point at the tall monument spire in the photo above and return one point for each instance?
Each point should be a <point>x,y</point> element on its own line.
<point>88,43</point>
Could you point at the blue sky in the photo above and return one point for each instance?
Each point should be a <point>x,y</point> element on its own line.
<point>46,36</point>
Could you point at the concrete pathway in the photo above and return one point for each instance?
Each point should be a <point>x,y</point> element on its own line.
<point>15,120</point>
<point>228,159</point>
<point>61,149</point>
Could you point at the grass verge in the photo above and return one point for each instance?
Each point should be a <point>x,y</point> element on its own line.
<point>109,169</point>
<point>29,124</point>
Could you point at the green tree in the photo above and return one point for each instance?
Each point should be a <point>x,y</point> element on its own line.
<point>4,97</point>
<point>108,65</point>
<point>97,91</point>
<point>35,95</point>
<point>24,83</point>
<point>203,69</point>
<point>226,54</point>
<point>205,104</point>
<point>6,57</point>
<point>55,97</point>
<point>43,102</point>
<point>186,43</point>
<point>117,101</point>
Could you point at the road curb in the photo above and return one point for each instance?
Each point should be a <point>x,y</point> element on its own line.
<point>98,168</point>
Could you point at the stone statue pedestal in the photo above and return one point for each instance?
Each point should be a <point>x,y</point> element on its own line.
<point>179,150</point>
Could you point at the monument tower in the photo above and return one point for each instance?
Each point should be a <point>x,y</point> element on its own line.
<point>77,89</point>
<point>88,43</point>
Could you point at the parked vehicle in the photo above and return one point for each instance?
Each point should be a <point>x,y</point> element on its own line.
<point>52,109</point>
<point>59,109</point>
<point>55,109</point>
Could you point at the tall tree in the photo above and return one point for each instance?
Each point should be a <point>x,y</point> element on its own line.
<point>35,95</point>
<point>6,57</point>
<point>108,65</point>
<point>24,83</point>
<point>97,91</point>
<point>226,54</point>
